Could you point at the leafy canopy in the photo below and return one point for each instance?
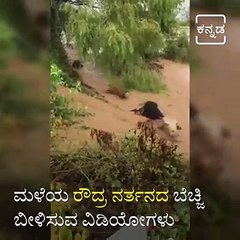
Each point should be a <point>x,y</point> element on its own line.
<point>121,34</point>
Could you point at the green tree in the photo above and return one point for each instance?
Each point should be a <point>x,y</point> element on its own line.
<point>122,34</point>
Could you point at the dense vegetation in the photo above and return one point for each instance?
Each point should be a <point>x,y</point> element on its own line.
<point>140,161</point>
<point>121,36</point>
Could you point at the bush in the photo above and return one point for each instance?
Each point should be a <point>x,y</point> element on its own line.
<point>142,79</point>
<point>141,161</point>
<point>178,48</point>
<point>61,112</point>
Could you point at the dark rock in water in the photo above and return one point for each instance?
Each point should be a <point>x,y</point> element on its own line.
<point>77,64</point>
<point>149,110</point>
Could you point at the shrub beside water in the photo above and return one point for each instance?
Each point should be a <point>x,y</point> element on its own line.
<point>141,161</point>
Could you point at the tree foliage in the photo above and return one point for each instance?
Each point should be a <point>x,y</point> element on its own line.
<point>122,34</point>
